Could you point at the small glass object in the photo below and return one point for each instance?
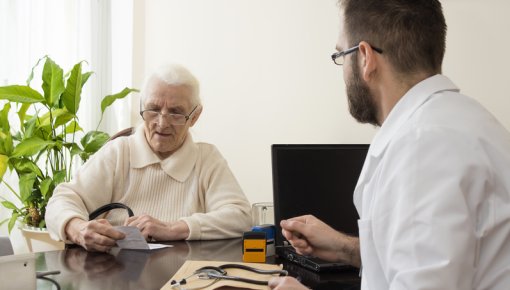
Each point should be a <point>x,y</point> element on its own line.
<point>262,213</point>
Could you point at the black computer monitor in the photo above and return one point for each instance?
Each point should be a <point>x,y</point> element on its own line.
<point>319,180</point>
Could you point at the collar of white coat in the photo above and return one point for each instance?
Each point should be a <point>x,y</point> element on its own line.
<point>406,107</point>
<point>179,165</point>
<point>401,113</point>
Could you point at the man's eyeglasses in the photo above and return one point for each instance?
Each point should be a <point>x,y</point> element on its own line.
<point>175,119</point>
<point>339,57</point>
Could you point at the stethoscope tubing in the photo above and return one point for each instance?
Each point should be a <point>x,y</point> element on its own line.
<point>219,273</point>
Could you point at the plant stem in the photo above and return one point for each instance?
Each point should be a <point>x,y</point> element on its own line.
<point>100,120</point>
<point>70,154</point>
<point>10,188</point>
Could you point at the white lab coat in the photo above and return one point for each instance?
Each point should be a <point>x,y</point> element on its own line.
<point>434,195</point>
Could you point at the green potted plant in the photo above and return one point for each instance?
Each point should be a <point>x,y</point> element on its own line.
<point>41,143</point>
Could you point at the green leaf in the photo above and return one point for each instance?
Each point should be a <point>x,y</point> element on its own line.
<point>72,93</point>
<point>59,117</point>
<point>73,127</point>
<point>20,94</point>
<point>23,112</point>
<point>45,186</point>
<point>4,162</point>
<point>53,82</point>
<point>4,118</point>
<point>85,77</point>
<point>58,145</point>
<point>5,131</point>
<point>52,115</point>
<point>84,156</point>
<point>26,185</point>
<point>63,119</point>
<point>9,205</point>
<point>12,221</point>
<point>31,76</point>
<point>110,99</point>
<point>30,126</point>
<point>93,141</point>
<point>76,150</point>
<point>25,165</point>
<point>31,146</point>
<point>59,177</point>
<point>6,144</point>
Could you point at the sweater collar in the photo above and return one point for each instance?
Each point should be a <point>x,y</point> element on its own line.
<point>178,165</point>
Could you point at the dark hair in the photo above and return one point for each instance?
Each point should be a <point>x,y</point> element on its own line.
<point>411,33</point>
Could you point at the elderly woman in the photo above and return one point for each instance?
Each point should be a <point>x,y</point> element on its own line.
<point>178,189</point>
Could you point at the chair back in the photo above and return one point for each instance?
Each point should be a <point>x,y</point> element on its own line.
<point>125,132</point>
<point>5,246</point>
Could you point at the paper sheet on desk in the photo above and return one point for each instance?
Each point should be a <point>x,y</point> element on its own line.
<point>135,241</point>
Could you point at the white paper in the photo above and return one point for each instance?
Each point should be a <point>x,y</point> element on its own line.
<point>158,246</point>
<point>135,241</point>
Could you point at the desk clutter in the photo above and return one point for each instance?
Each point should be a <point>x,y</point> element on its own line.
<point>216,274</point>
<point>259,243</point>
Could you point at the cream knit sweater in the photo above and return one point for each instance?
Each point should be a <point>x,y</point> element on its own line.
<point>194,185</point>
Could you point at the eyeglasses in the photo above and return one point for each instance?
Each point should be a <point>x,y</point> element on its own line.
<point>175,119</point>
<point>339,57</point>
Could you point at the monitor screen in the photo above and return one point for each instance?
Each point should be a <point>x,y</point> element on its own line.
<point>317,180</point>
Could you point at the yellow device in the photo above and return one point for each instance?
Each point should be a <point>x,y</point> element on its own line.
<point>254,247</point>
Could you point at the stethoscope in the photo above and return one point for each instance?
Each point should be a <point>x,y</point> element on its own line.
<point>216,273</point>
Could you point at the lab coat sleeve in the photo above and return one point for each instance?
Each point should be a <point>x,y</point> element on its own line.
<point>424,217</point>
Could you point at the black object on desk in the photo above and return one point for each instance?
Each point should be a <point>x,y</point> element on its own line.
<point>347,279</point>
<point>317,179</point>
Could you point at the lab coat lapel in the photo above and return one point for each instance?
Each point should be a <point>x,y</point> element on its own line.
<point>400,114</point>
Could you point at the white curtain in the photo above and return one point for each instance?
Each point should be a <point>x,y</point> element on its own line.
<point>70,31</point>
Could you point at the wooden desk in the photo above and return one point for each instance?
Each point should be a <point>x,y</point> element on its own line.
<point>140,270</point>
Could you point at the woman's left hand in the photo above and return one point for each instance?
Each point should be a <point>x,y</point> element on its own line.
<point>155,230</point>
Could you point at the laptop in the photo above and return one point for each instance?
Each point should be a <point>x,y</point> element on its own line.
<point>317,179</point>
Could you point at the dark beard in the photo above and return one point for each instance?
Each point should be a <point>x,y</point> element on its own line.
<point>361,104</point>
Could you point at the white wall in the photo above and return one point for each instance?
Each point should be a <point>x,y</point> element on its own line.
<point>477,57</point>
<point>267,75</point>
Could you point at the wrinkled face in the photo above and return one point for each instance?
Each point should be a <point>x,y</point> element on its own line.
<point>163,137</point>
<point>361,102</point>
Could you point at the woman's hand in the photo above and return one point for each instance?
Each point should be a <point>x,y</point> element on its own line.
<point>95,235</point>
<point>155,230</point>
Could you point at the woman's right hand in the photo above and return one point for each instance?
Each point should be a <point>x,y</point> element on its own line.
<point>96,235</point>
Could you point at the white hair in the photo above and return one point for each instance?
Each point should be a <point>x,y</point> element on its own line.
<point>174,75</point>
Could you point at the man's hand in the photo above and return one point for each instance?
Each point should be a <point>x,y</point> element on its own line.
<point>282,283</point>
<point>96,235</point>
<point>310,236</point>
<point>156,230</point>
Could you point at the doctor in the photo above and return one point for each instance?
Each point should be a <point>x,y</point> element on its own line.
<point>434,193</point>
